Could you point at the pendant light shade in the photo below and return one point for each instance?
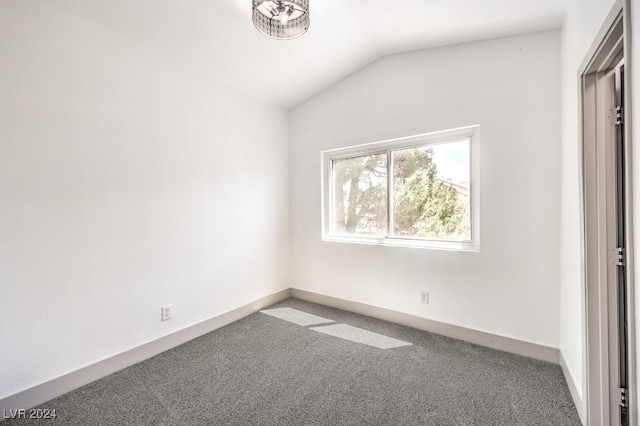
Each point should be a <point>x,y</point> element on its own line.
<point>281,19</point>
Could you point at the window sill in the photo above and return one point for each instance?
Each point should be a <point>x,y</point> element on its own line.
<point>467,246</point>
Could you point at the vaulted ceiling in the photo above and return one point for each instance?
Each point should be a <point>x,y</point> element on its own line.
<point>217,37</point>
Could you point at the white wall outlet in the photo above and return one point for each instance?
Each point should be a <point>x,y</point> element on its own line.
<point>424,297</point>
<point>166,313</point>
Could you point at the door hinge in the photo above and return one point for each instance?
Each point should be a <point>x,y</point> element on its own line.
<point>619,115</point>
<point>620,396</point>
<point>621,257</point>
<point>617,256</point>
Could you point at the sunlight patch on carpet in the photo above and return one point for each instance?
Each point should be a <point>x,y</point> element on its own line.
<point>295,316</point>
<point>359,335</point>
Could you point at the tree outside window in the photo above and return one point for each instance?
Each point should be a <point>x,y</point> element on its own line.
<point>410,192</point>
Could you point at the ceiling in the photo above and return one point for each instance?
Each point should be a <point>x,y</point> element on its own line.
<point>217,37</point>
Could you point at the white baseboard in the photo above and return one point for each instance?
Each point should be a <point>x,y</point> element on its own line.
<point>48,390</point>
<point>575,393</point>
<point>507,344</point>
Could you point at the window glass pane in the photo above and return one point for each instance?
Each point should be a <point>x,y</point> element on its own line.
<point>360,195</point>
<point>431,192</point>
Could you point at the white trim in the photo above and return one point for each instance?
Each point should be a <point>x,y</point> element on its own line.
<point>630,190</point>
<point>576,393</point>
<point>494,341</point>
<point>432,138</point>
<point>596,338</point>
<point>50,389</point>
<point>609,21</point>
<point>53,388</point>
<point>472,133</point>
<point>406,242</point>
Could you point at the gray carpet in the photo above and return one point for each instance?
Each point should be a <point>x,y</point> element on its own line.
<point>263,370</point>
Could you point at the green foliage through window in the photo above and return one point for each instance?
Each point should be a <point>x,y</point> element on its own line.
<point>426,195</point>
<point>360,194</point>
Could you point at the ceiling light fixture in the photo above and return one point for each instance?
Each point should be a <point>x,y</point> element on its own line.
<point>281,19</point>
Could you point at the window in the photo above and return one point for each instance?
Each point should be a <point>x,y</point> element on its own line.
<point>418,191</point>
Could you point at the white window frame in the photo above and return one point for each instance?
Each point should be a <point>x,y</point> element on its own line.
<point>435,138</point>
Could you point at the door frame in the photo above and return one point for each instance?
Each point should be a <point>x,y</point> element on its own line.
<point>614,37</point>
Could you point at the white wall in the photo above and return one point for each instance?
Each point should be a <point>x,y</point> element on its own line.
<point>582,22</point>
<point>511,87</point>
<point>127,182</point>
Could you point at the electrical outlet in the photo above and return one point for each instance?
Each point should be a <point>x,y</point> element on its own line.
<point>424,297</point>
<point>166,313</point>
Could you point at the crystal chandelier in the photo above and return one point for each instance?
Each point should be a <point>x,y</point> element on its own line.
<point>281,19</point>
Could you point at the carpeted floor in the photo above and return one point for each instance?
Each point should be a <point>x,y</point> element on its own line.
<point>263,370</point>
